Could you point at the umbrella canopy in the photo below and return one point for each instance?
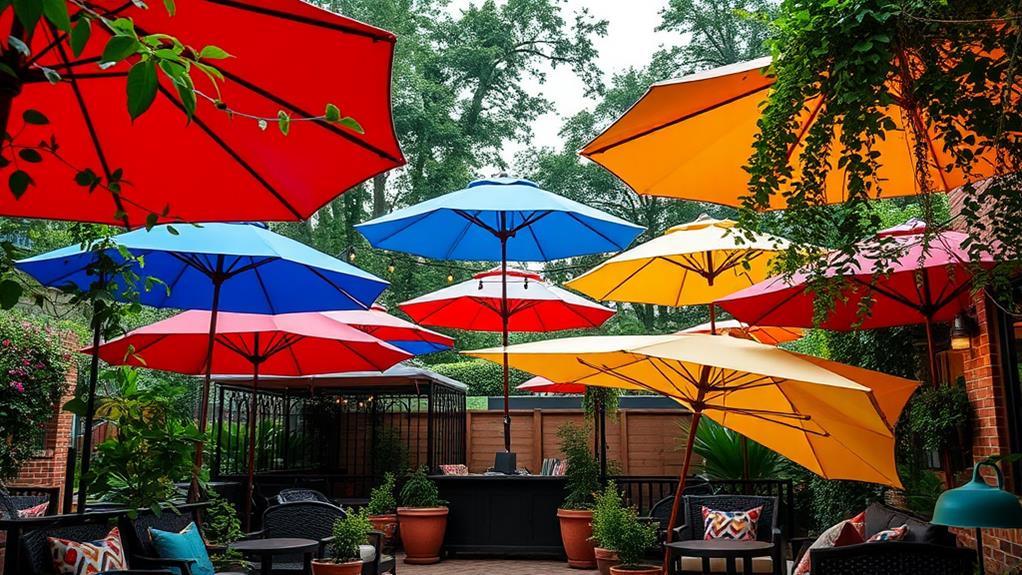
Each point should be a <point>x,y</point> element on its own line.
<point>836,420</point>
<point>234,170</point>
<point>257,271</point>
<point>399,333</point>
<point>532,304</point>
<point>544,385</point>
<point>928,283</point>
<point>693,263</point>
<point>314,343</point>
<point>689,138</point>
<point>768,334</point>
<point>472,224</point>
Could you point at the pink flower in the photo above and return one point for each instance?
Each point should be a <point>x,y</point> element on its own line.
<point>7,343</point>
<point>18,386</point>
<point>39,365</point>
<point>26,362</point>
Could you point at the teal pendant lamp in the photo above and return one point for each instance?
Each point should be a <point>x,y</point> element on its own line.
<point>978,505</point>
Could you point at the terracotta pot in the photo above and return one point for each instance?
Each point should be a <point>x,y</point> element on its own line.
<point>386,524</point>
<point>576,535</point>
<point>605,559</point>
<point>422,532</point>
<point>330,568</point>
<point>636,570</point>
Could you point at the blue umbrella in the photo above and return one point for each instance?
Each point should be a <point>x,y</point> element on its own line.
<point>500,219</point>
<point>219,267</point>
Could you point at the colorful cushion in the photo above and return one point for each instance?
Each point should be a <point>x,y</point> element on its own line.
<point>454,469</point>
<point>895,534</point>
<point>34,511</point>
<point>80,558</point>
<point>847,532</point>
<point>187,544</point>
<point>738,525</point>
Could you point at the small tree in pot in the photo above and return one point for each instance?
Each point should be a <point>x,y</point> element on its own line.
<point>383,509</point>
<point>422,519</point>
<point>609,516</point>
<point>349,534</point>
<point>633,539</point>
<point>583,482</point>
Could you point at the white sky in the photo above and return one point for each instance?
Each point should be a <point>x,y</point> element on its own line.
<point>630,41</point>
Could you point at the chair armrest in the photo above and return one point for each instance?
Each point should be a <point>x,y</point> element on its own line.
<point>678,531</point>
<point>321,550</point>
<point>182,565</point>
<point>800,546</point>
<point>376,540</point>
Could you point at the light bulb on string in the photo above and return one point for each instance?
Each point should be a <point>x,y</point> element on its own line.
<point>450,277</point>
<point>390,266</point>
<point>351,254</point>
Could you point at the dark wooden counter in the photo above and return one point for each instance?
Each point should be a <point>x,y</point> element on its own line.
<point>503,515</point>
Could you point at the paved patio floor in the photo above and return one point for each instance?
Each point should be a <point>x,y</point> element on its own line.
<point>491,567</point>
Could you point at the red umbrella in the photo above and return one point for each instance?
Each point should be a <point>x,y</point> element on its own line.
<point>230,169</point>
<point>533,305</point>
<point>403,334</point>
<point>544,385</point>
<point>314,344</point>
<point>929,283</point>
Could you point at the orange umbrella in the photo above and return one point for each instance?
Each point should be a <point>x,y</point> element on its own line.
<point>770,335</point>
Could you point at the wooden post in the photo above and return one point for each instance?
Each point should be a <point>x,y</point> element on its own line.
<point>468,438</point>
<point>537,440</point>
<point>622,422</point>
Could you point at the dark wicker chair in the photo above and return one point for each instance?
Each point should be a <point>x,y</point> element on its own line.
<point>660,512</point>
<point>314,520</point>
<point>139,545</point>
<point>23,497</point>
<point>768,528</point>
<point>292,495</point>
<point>902,557</point>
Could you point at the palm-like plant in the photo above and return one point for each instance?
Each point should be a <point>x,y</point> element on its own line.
<point>721,452</point>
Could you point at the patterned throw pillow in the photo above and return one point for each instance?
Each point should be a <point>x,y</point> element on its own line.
<point>893,534</point>
<point>835,536</point>
<point>78,558</point>
<point>34,511</point>
<point>738,525</point>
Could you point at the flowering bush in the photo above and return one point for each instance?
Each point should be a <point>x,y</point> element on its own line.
<point>33,369</point>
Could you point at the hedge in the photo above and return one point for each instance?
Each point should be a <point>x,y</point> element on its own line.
<point>482,377</point>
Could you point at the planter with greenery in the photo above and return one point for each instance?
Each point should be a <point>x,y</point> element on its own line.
<point>633,539</point>
<point>422,519</point>
<point>349,534</point>
<point>609,516</point>
<point>221,527</point>
<point>382,509</point>
<point>583,482</point>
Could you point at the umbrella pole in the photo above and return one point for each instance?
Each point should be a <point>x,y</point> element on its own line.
<point>250,486</point>
<point>193,493</point>
<point>676,505</point>
<point>504,330</point>
<point>931,352</point>
<point>90,407</point>
<point>713,319</point>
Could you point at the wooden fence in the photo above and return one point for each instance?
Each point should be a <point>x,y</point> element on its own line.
<point>643,442</point>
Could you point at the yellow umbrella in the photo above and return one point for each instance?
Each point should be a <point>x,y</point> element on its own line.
<point>768,334</point>
<point>689,138</point>
<point>818,413</point>
<point>694,263</point>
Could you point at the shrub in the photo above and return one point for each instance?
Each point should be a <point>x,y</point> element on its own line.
<point>936,414</point>
<point>634,539</point>
<point>420,491</point>
<point>390,454</point>
<point>381,498</point>
<point>33,377</point>
<point>220,523</point>
<point>482,377</point>
<point>721,452</point>
<point>583,472</point>
<point>609,516</point>
<point>349,532</point>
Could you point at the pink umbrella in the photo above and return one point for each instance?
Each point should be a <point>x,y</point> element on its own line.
<point>544,385</point>
<point>412,338</point>
<point>928,283</point>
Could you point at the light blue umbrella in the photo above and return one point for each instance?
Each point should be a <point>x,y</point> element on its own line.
<point>218,267</point>
<point>500,219</point>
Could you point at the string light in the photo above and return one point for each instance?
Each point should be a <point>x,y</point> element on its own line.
<point>391,266</point>
<point>450,277</point>
<point>351,254</point>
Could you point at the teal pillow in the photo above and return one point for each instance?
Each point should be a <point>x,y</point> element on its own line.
<point>187,544</point>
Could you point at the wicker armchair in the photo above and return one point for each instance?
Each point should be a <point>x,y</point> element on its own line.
<point>139,544</point>
<point>768,528</point>
<point>902,557</point>
<point>21,497</point>
<point>660,512</point>
<point>292,495</point>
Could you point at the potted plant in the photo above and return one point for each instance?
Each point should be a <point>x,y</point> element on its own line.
<point>221,527</point>
<point>422,519</point>
<point>583,481</point>
<point>608,517</point>
<point>633,539</point>
<point>382,509</point>
<point>349,533</point>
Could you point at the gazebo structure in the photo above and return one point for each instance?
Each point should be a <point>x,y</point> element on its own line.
<point>337,433</point>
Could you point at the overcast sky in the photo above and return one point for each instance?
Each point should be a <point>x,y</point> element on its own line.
<point>630,41</point>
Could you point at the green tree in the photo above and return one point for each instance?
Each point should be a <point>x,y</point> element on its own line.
<point>719,32</point>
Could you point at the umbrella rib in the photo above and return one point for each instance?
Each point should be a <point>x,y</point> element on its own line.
<point>670,381</point>
<point>681,287</point>
<point>266,293</point>
<point>457,241</point>
<point>575,217</point>
<point>63,35</point>
<point>539,246</point>
<point>170,286</point>
<point>626,280</point>
<point>340,289</point>
<point>629,380</point>
<point>766,416</point>
<point>892,295</point>
<point>528,221</point>
<point>233,154</point>
<point>676,121</point>
<point>407,223</point>
<point>386,37</point>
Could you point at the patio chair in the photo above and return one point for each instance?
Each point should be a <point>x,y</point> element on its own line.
<point>660,512</point>
<point>768,529</point>
<point>25,497</point>
<point>139,544</point>
<point>300,494</point>
<point>315,520</point>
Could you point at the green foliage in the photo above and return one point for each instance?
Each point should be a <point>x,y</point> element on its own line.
<point>390,453</point>
<point>381,498</point>
<point>609,517</point>
<point>720,32</point>
<point>583,471</point>
<point>482,377</point>
<point>634,539</point>
<point>832,500</point>
<point>721,451</point>
<point>937,414</point>
<point>152,448</point>
<point>33,376</point>
<point>220,523</point>
<point>420,491</point>
<point>611,398</point>
<point>922,488</point>
<point>348,533</point>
